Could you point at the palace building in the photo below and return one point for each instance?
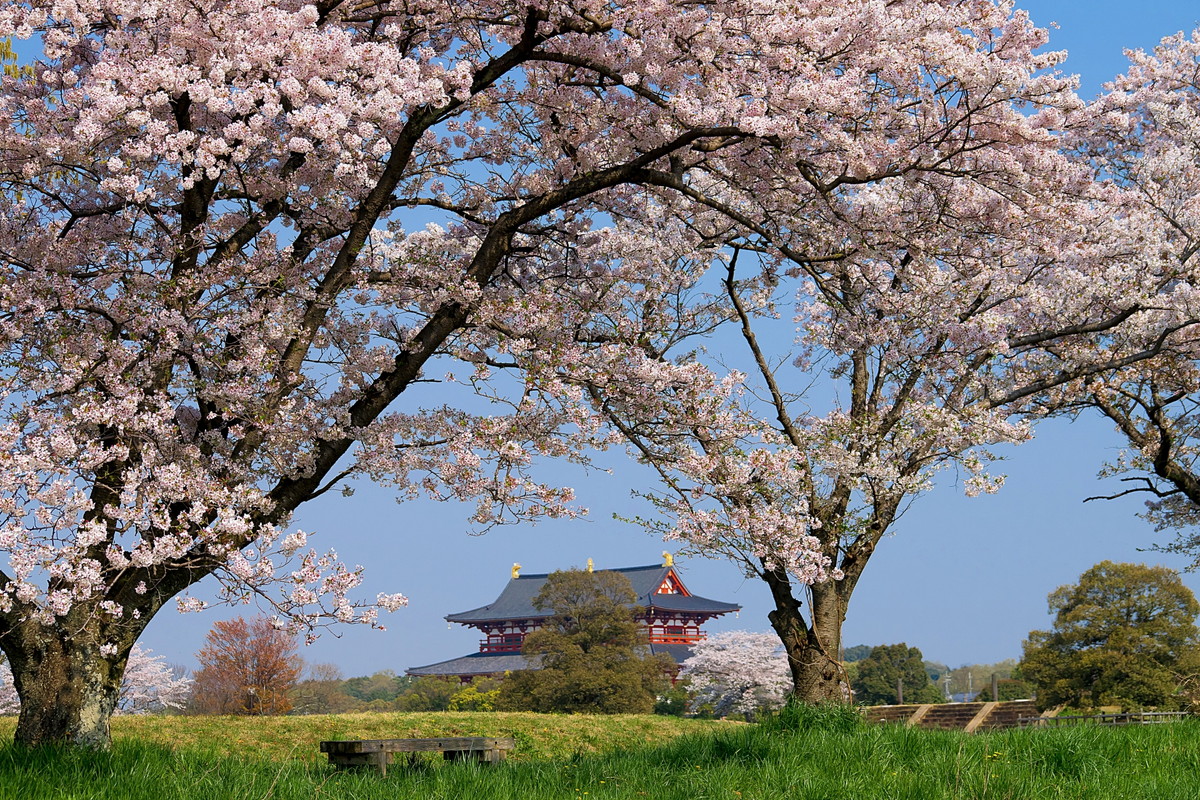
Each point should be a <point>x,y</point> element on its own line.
<point>671,614</point>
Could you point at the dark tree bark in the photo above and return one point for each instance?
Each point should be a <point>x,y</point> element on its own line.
<point>68,685</point>
<point>814,645</point>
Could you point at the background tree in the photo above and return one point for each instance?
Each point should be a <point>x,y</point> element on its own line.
<point>426,693</point>
<point>674,701</point>
<point>592,652</point>
<point>936,670</point>
<point>151,684</point>
<point>856,653</point>
<point>10,701</point>
<point>1119,635</point>
<point>481,694</point>
<point>1187,679</point>
<point>738,672</point>
<point>875,681</point>
<point>383,686</point>
<point>969,679</point>
<point>322,691</point>
<point>246,667</point>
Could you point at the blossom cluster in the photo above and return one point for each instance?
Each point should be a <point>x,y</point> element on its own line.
<point>738,672</point>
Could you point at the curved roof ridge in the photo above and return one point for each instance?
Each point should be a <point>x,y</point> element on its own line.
<point>515,600</point>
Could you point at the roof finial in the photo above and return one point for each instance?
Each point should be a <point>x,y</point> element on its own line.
<point>668,559</point>
<point>516,571</point>
<point>589,565</point>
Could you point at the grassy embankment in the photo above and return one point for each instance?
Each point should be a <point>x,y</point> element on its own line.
<point>616,758</point>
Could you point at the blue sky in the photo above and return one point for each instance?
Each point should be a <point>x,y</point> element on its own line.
<point>963,579</point>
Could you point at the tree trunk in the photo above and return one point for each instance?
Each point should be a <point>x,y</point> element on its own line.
<point>813,650</point>
<point>68,687</point>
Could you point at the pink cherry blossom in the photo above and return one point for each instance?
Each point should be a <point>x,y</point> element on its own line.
<point>739,672</point>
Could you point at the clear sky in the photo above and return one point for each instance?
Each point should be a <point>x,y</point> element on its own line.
<point>963,579</point>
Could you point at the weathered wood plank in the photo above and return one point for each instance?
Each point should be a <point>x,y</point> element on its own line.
<point>378,752</point>
<point>918,715</point>
<point>466,743</point>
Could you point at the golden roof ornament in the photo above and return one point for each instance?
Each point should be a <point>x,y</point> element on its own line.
<point>516,571</point>
<point>589,565</point>
<point>668,559</point>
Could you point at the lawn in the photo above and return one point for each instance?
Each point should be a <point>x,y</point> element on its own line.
<point>622,758</point>
<point>539,736</point>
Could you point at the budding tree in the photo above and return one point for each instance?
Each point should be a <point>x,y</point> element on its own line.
<point>246,668</point>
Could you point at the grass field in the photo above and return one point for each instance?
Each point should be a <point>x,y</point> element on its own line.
<point>810,756</point>
<point>539,736</point>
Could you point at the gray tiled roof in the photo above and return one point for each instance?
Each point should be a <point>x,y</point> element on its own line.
<point>475,664</point>
<point>516,601</point>
<point>495,663</point>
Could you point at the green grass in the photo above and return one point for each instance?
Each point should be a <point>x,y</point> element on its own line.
<point>809,758</point>
<point>538,736</point>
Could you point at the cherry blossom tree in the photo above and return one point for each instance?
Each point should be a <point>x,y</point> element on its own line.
<point>1140,137</point>
<point>239,238</point>
<point>739,672</point>
<point>10,702</point>
<point>149,685</point>
<point>951,273</point>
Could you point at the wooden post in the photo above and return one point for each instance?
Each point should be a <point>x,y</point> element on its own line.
<point>899,691</point>
<point>995,688</point>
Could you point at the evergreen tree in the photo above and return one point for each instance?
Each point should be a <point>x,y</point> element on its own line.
<point>1120,637</point>
<point>856,653</point>
<point>875,681</point>
<point>592,652</point>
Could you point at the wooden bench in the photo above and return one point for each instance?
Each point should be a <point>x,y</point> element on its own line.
<point>378,752</point>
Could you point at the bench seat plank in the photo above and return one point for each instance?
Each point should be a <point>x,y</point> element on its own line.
<point>462,743</point>
<point>378,752</point>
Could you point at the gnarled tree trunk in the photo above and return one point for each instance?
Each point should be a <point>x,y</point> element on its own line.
<point>67,684</point>
<point>813,646</point>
